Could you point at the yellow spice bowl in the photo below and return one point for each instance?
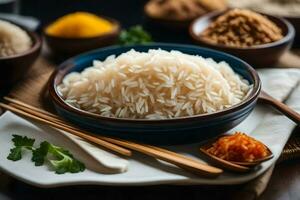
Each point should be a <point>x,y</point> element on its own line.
<point>63,46</point>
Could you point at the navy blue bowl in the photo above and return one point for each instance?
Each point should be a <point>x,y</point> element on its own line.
<point>167,131</point>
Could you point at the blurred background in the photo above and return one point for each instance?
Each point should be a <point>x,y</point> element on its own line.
<point>128,12</point>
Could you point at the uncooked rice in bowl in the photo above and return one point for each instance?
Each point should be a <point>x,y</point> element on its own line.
<point>154,85</point>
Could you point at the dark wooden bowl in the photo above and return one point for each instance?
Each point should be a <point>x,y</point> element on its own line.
<point>265,55</point>
<point>13,68</point>
<point>72,46</point>
<point>173,24</point>
<point>166,131</point>
<point>295,21</point>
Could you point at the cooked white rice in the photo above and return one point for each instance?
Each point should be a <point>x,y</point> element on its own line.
<point>13,40</point>
<point>154,85</point>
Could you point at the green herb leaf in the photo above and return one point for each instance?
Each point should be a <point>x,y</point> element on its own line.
<point>39,154</point>
<point>15,154</point>
<point>20,142</point>
<point>134,35</point>
<point>64,161</point>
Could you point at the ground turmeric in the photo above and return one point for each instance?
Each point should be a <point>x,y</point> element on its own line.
<point>79,25</point>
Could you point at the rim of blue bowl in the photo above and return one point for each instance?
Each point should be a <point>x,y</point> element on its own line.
<point>52,87</point>
<point>289,36</point>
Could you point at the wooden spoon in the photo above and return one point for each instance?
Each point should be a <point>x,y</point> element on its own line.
<point>232,165</point>
<point>224,163</point>
<point>281,107</point>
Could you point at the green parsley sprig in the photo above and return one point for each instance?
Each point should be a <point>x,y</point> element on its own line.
<point>134,35</point>
<point>60,159</point>
<point>20,143</point>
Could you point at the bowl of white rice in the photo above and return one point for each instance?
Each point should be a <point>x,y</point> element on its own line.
<point>158,93</point>
<point>19,48</point>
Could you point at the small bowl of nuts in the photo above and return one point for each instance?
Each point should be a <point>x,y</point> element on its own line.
<point>259,39</point>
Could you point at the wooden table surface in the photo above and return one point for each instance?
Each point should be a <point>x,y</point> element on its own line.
<point>284,184</point>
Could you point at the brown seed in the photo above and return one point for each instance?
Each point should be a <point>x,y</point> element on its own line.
<point>241,28</point>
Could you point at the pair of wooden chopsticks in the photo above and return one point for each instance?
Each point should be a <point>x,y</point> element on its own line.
<point>54,121</point>
<point>116,145</point>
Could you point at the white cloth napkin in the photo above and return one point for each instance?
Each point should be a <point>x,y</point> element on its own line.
<point>275,127</point>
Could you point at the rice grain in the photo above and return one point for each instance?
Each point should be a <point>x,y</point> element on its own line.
<point>154,85</point>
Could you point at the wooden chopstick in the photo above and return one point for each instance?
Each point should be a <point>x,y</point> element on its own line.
<point>52,117</point>
<point>87,137</point>
<point>156,152</point>
<point>171,157</point>
<point>22,104</point>
<point>41,113</point>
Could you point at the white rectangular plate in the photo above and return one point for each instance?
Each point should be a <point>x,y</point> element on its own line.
<point>142,169</point>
